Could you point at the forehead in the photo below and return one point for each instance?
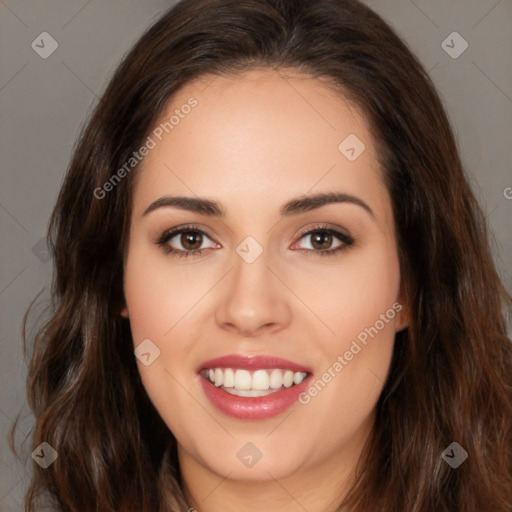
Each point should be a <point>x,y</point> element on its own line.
<point>257,136</point>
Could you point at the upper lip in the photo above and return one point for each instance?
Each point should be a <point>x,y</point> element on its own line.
<point>249,362</point>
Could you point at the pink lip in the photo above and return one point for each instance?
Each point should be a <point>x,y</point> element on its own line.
<point>253,408</point>
<point>252,363</point>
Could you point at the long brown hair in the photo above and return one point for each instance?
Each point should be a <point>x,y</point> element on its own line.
<point>451,374</point>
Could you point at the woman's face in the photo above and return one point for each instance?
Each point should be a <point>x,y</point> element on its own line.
<point>298,296</point>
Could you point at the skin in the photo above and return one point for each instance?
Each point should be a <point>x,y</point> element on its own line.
<point>252,156</point>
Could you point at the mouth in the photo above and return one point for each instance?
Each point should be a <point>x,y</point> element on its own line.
<point>253,387</point>
<point>261,382</point>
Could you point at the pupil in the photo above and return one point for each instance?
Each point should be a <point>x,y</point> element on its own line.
<point>190,239</point>
<point>318,238</point>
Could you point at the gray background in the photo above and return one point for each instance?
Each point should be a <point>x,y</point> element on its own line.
<point>44,101</point>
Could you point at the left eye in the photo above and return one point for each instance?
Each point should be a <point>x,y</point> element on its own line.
<point>190,239</point>
<point>321,240</point>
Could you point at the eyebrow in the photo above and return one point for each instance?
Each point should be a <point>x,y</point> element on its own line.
<point>293,207</point>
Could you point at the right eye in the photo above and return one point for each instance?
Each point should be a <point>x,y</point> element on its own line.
<point>189,237</point>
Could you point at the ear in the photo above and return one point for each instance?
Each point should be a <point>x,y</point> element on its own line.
<point>403,314</point>
<point>124,312</point>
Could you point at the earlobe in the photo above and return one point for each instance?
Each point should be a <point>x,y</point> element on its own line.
<point>402,317</point>
<point>124,312</point>
<point>403,313</point>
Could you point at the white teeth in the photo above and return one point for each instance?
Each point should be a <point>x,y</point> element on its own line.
<point>288,379</point>
<point>219,377</point>
<point>242,379</point>
<point>260,380</point>
<point>259,383</point>
<point>298,377</point>
<point>250,392</point>
<point>276,379</point>
<point>229,378</point>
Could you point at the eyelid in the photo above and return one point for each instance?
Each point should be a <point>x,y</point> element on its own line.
<point>164,239</point>
<point>172,232</point>
<point>346,239</point>
<point>337,232</point>
<point>323,226</point>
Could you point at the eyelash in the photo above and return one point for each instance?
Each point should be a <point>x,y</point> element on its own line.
<point>347,240</point>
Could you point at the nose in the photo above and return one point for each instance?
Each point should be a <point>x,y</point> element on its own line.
<point>253,300</point>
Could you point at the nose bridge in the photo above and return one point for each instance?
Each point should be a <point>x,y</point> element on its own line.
<point>250,270</point>
<point>254,298</point>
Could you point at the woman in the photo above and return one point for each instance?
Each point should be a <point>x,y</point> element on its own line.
<point>273,286</point>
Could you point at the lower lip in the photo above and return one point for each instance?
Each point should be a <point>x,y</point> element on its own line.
<point>253,408</point>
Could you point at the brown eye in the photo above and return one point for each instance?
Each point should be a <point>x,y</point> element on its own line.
<point>321,240</point>
<point>185,241</point>
<point>325,241</point>
<point>191,240</point>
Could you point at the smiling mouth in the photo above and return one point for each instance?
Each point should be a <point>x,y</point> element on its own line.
<point>253,387</point>
<point>252,383</point>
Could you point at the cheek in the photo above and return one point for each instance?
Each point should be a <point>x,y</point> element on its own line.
<point>362,309</point>
<point>157,297</point>
<point>158,293</point>
<point>352,294</point>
